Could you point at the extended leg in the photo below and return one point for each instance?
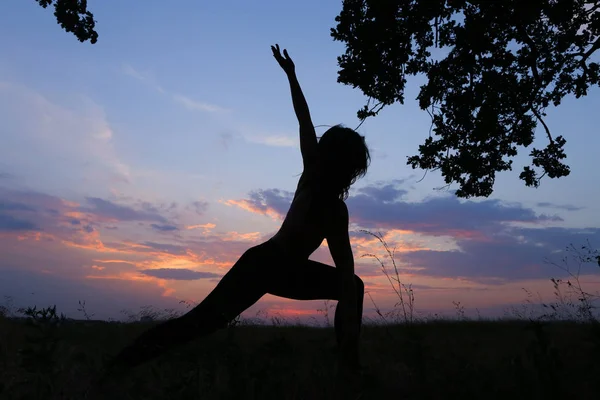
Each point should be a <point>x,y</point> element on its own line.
<point>239,289</point>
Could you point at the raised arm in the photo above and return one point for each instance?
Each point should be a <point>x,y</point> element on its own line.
<point>308,137</point>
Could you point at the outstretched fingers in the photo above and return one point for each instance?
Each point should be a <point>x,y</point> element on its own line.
<point>277,53</point>
<point>284,62</point>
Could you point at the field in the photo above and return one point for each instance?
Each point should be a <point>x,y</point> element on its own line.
<point>430,360</point>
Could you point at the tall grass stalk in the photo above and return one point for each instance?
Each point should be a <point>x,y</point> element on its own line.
<point>574,301</point>
<point>405,293</point>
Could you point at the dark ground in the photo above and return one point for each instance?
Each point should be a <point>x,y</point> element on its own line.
<point>433,360</point>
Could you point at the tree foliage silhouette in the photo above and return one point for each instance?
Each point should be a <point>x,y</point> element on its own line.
<point>492,69</point>
<point>73,16</point>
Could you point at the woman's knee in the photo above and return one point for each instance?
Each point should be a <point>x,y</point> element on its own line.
<point>360,286</point>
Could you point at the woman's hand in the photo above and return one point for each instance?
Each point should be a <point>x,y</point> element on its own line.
<point>285,62</point>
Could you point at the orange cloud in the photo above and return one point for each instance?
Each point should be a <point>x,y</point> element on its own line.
<point>235,236</point>
<point>136,277</point>
<point>75,214</point>
<point>206,227</point>
<point>399,242</point>
<point>471,235</point>
<point>114,261</point>
<point>248,206</point>
<point>93,245</point>
<point>37,236</point>
<point>70,204</point>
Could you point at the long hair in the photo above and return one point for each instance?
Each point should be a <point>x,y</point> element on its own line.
<point>344,158</point>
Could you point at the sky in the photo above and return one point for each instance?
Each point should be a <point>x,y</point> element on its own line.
<point>137,170</point>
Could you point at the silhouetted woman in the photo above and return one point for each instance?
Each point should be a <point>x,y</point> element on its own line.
<point>280,266</point>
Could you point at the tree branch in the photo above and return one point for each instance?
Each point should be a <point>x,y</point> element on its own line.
<point>536,76</point>
<point>539,117</point>
<point>533,62</point>
<point>592,49</point>
<point>380,104</point>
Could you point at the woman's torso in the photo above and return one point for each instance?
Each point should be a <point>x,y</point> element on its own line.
<point>305,224</point>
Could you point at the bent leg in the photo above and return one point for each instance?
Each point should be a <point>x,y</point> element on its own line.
<point>313,280</point>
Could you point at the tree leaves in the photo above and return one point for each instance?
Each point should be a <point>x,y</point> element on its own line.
<point>502,64</point>
<point>74,17</point>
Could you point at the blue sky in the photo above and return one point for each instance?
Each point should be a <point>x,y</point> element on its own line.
<point>135,171</point>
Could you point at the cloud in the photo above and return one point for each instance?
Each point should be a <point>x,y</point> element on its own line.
<point>185,101</point>
<point>516,254</point>
<point>272,202</point>
<point>274,140</point>
<point>75,142</point>
<point>87,228</point>
<point>486,241</point>
<point>566,207</point>
<point>71,242</point>
<point>129,70</point>
<point>179,274</point>
<point>164,228</point>
<point>386,194</point>
<point>205,227</point>
<point>30,200</point>
<point>79,224</point>
<point>201,226</point>
<point>10,223</point>
<point>384,208</point>
<point>199,207</point>
<point>33,211</point>
<point>194,105</point>
<point>103,299</point>
<point>113,211</point>
<point>167,248</point>
<point>156,208</point>
<point>6,205</point>
<point>484,244</point>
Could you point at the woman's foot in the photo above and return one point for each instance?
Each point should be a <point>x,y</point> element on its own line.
<point>349,382</point>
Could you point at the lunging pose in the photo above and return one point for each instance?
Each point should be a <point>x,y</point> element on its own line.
<point>280,266</point>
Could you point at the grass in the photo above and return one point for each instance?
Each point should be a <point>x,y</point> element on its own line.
<point>547,355</point>
<point>437,359</point>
